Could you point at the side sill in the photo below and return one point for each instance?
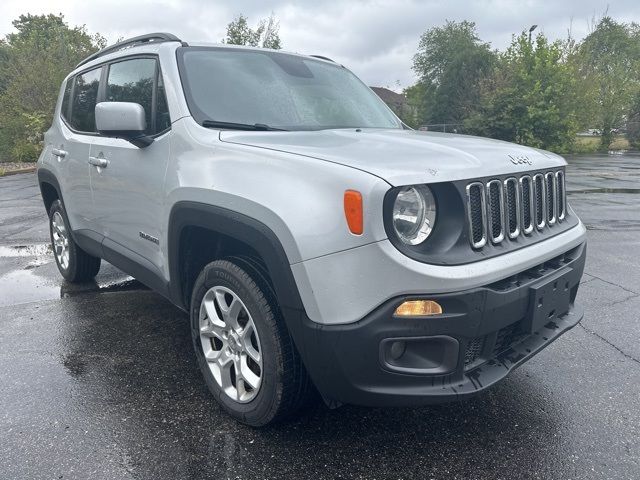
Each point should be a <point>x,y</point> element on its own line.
<point>121,257</point>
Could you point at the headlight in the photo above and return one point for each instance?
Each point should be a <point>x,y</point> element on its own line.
<point>414,214</point>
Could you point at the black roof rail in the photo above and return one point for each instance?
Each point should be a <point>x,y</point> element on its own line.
<point>132,42</point>
<point>322,58</point>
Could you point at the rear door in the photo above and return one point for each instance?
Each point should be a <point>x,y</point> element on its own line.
<point>128,194</point>
<point>71,154</point>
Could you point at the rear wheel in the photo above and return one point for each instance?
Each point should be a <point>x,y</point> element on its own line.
<point>74,264</point>
<point>242,346</point>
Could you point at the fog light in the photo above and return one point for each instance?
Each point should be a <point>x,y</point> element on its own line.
<point>417,308</point>
<point>397,349</point>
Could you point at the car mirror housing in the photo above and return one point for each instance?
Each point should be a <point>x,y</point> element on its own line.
<point>123,120</point>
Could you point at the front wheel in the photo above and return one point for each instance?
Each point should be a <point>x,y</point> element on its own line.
<point>74,264</point>
<point>242,346</point>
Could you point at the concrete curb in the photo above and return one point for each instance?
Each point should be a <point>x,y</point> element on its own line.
<point>16,172</point>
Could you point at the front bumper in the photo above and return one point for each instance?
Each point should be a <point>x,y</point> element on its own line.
<point>483,334</point>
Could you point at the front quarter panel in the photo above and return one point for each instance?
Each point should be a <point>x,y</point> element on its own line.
<point>299,198</point>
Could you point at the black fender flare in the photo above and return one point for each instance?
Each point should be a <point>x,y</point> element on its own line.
<point>46,176</point>
<point>238,226</point>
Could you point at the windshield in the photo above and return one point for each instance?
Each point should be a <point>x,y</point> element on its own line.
<point>277,90</point>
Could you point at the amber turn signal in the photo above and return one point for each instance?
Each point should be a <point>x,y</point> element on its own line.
<point>353,211</point>
<point>417,308</point>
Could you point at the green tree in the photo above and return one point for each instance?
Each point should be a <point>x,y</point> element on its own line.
<point>530,98</point>
<point>417,99</point>
<point>451,62</point>
<point>609,69</point>
<point>633,123</point>
<point>35,60</point>
<point>265,35</point>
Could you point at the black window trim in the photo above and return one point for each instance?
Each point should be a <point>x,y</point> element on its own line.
<point>102,87</point>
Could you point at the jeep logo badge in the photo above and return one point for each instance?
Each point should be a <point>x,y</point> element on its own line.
<point>519,159</point>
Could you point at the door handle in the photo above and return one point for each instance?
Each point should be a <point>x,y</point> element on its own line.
<point>98,162</point>
<point>56,152</point>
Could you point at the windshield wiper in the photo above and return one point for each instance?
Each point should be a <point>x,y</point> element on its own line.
<point>240,126</point>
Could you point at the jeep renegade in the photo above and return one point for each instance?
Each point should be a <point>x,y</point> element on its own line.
<point>317,243</point>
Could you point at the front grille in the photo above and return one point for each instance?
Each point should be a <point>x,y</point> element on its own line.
<point>499,210</point>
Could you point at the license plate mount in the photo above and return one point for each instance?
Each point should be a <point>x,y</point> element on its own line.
<point>549,300</point>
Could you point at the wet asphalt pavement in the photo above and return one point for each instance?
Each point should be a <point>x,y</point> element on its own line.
<point>99,381</point>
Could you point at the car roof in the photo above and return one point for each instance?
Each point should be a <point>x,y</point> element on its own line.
<point>153,42</point>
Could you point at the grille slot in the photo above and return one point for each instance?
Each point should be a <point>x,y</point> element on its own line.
<point>562,197</point>
<point>476,209</point>
<point>539,201</point>
<point>526,189</point>
<point>512,205</point>
<point>496,211</point>
<point>551,197</point>
<point>507,208</point>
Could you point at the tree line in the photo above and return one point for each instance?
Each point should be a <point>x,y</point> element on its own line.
<point>536,92</point>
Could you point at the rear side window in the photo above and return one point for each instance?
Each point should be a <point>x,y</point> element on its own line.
<point>134,81</point>
<point>83,105</point>
<point>66,99</point>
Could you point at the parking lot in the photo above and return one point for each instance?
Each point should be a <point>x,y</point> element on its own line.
<point>99,380</point>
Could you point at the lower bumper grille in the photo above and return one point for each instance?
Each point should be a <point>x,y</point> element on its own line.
<point>505,338</point>
<point>473,351</point>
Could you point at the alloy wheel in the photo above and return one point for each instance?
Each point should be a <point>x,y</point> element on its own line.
<point>60,240</point>
<point>230,344</point>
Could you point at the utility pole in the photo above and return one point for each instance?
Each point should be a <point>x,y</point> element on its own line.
<point>533,27</point>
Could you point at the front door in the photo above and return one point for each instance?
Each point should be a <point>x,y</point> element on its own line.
<point>128,192</point>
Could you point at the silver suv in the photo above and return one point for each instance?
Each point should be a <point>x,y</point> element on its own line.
<point>317,243</point>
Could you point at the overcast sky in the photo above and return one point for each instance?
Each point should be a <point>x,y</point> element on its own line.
<point>374,38</point>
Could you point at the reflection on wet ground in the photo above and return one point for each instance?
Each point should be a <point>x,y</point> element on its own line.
<point>42,250</point>
<point>29,274</point>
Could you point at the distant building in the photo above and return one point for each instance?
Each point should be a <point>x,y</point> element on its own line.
<point>397,102</point>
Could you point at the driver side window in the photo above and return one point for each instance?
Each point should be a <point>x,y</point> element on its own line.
<point>136,80</point>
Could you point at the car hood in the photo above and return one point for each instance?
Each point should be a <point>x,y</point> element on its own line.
<point>403,157</point>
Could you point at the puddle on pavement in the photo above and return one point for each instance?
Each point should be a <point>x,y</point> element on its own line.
<point>23,286</point>
<point>28,282</point>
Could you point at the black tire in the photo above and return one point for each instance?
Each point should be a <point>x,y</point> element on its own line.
<point>81,266</point>
<point>285,386</point>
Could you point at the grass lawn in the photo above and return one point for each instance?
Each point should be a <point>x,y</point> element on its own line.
<point>592,144</point>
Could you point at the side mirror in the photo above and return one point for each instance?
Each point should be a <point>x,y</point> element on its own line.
<point>123,120</point>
